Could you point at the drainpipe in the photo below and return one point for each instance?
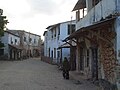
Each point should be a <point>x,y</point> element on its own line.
<point>94,11</point>
<point>116,8</point>
<point>101,9</point>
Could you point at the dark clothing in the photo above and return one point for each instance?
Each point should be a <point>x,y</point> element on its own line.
<point>66,74</point>
<point>66,68</point>
<point>66,65</point>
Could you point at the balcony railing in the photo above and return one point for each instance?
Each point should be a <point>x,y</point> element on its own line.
<point>102,10</point>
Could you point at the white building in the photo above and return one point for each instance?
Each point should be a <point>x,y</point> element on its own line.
<point>30,43</point>
<point>53,40</point>
<point>11,49</point>
<point>98,40</point>
<point>33,43</point>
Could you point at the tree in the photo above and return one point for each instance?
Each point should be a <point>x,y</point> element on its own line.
<point>3,23</point>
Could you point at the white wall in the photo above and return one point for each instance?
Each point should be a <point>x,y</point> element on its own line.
<point>118,38</point>
<point>6,39</point>
<point>103,9</point>
<point>54,42</point>
<point>13,39</point>
<point>31,45</point>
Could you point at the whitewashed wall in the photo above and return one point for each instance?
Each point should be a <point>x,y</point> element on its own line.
<point>13,37</point>
<point>31,45</point>
<point>6,39</point>
<point>118,38</point>
<point>103,9</point>
<point>55,42</point>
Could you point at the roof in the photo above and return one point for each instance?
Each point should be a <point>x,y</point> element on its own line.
<point>12,33</point>
<point>94,26</point>
<point>32,33</point>
<point>52,26</point>
<point>67,45</point>
<point>80,5</point>
<point>44,33</point>
<point>23,31</point>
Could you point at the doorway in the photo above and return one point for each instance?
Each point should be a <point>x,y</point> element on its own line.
<point>94,63</point>
<point>81,58</point>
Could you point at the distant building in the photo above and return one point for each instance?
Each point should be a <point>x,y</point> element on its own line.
<point>31,43</point>
<point>11,49</point>
<point>53,40</point>
<point>19,44</point>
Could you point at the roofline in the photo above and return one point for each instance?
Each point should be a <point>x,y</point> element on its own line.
<point>44,33</point>
<point>26,32</point>
<point>59,23</point>
<point>12,34</point>
<point>89,27</point>
<point>79,5</point>
<point>32,33</point>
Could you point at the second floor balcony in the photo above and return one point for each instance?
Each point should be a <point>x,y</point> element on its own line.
<point>101,10</point>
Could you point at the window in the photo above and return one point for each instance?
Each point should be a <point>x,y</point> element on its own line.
<point>11,40</point>
<point>71,28</point>
<point>30,39</point>
<point>15,41</point>
<point>24,39</point>
<point>55,33</point>
<point>58,54</point>
<point>87,58</point>
<point>58,37</point>
<point>54,52</point>
<point>34,40</point>
<point>58,30</point>
<point>1,52</point>
<point>49,52</point>
<point>52,34</point>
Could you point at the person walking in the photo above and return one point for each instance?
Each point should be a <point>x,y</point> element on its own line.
<point>66,68</point>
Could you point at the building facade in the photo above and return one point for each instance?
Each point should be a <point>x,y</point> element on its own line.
<point>97,40</point>
<point>11,49</point>
<point>30,43</point>
<point>53,40</point>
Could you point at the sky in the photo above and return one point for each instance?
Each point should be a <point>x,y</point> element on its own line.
<point>35,15</point>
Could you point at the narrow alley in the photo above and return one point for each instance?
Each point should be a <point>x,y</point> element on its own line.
<point>33,74</point>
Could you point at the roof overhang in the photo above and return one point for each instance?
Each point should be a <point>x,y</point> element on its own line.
<point>95,26</point>
<point>68,45</point>
<point>80,5</point>
<point>52,26</point>
<point>44,33</point>
<point>15,47</point>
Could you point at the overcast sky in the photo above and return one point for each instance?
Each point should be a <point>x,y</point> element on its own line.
<point>35,15</point>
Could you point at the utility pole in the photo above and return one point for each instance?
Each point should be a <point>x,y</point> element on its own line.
<point>71,26</point>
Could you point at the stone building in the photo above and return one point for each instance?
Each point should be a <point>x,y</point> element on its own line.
<point>97,39</point>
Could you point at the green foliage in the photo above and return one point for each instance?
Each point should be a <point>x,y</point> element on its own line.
<point>1,45</point>
<point>3,22</point>
<point>1,33</point>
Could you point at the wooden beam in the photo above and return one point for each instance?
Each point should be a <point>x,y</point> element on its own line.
<point>104,39</point>
<point>69,43</point>
<point>74,41</point>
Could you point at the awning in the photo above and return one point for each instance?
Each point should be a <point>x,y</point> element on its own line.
<point>67,45</point>
<point>80,5</point>
<point>99,24</point>
<point>15,47</point>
